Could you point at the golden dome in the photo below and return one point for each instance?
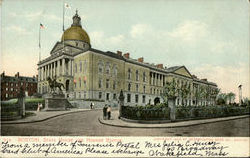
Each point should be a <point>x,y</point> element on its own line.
<point>76,33</point>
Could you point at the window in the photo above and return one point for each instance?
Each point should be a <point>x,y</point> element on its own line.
<point>144,89</point>
<point>100,67</point>
<point>151,91</point>
<point>115,70</point>
<point>137,87</point>
<point>7,89</point>
<point>7,84</point>
<point>11,89</point>
<point>11,84</point>
<point>157,91</point>
<point>75,68</point>
<point>136,98</point>
<point>114,85</point>
<point>100,83</point>
<point>80,66</point>
<point>107,83</point>
<point>144,77</point>
<point>79,95</point>
<point>85,66</point>
<point>128,98</point>
<point>100,95</point>
<point>85,94</point>
<point>114,96</point>
<point>137,75</point>
<point>129,74</point>
<point>80,83</point>
<point>107,68</point>
<point>143,99</point>
<point>16,84</point>
<point>107,96</point>
<point>85,81</point>
<point>76,44</point>
<point>129,86</point>
<point>21,83</point>
<point>6,95</point>
<point>154,91</point>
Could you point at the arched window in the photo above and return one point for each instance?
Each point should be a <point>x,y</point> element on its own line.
<point>144,89</point>
<point>114,85</point>
<point>137,75</point>
<point>80,66</point>
<point>75,68</point>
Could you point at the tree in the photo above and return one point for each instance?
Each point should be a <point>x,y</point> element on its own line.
<point>221,98</point>
<point>231,97</point>
<point>169,90</point>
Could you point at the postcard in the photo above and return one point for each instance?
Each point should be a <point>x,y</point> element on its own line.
<point>128,78</point>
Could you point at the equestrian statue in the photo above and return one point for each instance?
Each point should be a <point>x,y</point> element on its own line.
<point>53,84</point>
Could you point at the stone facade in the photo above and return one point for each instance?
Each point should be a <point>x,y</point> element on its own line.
<point>91,75</point>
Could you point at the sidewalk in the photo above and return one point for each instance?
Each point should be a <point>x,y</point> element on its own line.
<point>120,123</point>
<point>44,115</point>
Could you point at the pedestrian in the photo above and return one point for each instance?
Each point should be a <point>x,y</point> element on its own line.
<point>105,112</point>
<point>109,112</point>
<point>91,105</point>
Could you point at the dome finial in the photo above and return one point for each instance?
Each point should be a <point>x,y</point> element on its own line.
<point>76,20</point>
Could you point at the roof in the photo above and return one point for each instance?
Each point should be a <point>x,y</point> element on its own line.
<point>17,79</point>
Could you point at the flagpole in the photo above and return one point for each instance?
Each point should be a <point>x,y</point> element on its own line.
<point>63,22</point>
<point>40,42</point>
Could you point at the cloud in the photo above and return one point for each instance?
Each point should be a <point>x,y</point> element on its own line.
<point>140,30</point>
<point>227,77</point>
<point>190,31</point>
<point>17,29</point>
<point>116,40</point>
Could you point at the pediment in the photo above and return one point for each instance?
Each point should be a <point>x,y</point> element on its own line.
<point>183,71</point>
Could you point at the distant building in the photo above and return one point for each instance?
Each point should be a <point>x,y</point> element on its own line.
<point>89,74</point>
<point>10,85</point>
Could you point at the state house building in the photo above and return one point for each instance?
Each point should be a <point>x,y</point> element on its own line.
<point>89,74</point>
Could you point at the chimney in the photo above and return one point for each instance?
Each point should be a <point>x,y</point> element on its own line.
<point>126,55</point>
<point>17,75</point>
<point>140,59</point>
<point>119,53</point>
<point>160,66</point>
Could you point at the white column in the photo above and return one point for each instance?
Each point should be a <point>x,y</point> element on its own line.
<point>63,66</point>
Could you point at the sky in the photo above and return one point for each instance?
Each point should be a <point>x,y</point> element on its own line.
<point>211,38</point>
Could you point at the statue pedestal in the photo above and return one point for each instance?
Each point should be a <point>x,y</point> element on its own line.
<point>55,102</point>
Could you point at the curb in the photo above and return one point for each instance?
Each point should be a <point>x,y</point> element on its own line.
<point>45,119</point>
<point>175,126</point>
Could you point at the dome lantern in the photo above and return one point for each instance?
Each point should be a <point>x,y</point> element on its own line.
<point>76,20</point>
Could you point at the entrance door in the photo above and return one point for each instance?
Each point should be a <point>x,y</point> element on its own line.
<point>156,100</point>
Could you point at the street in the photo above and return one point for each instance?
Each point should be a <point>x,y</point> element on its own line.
<point>86,124</point>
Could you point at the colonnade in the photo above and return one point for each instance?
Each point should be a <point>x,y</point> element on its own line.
<point>55,68</point>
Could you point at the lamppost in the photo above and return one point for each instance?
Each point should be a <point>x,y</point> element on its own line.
<point>240,94</point>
